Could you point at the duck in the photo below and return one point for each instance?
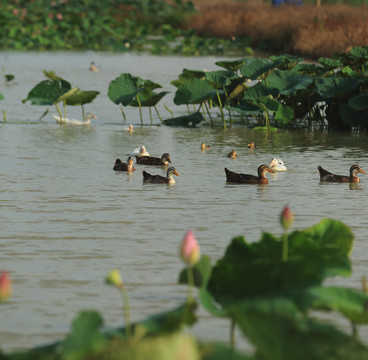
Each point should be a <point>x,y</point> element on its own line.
<point>151,160</point>
<point>232,154</point>
<point>251,145</point>
<point>330,177</point>
<point>205,147</point>
<point>249,179</point>
<point>64,120</point>
<point>277,164</point>
<point>131,128</point>
<point>140,151</point>
<point>120,166</point>
<point>158,179</point>
<point>93,67</point>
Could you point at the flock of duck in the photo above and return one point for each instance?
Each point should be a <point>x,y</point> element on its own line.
<point>142,157</point>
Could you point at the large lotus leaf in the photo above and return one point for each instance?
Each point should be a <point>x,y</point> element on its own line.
<point>220,78</point>
<point>286,61</point>
<point>330,64</point>
<point>278,336</point>
<point>284,114</point>
<point>148,98</point>
<point>233,65</point>
<point>353,117</point>
<point>81,97</point>
<point>351,303</point>
<point>246,108</point>
<point>359,102</point>
<point>123,89</point>
<point>288,82</point>
<point>185,120</point>
<point>66,95</point>
<point>310,69</point>
<point>256,269</point>
<point>258,68</point>
<point>147,84</point>
<point>187,75</point>
<point>335,86</point>
<point>194,91</point>
<point>256,92</point>
<point>47,92</point>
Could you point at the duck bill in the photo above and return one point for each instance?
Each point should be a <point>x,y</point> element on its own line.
<point>176,173</point>
<point>271,171</point>
<point>169,160</point>
<point>362,171</point>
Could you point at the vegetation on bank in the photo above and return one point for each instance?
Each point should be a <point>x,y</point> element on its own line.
<point>198,27</point>
<point>272,290</point>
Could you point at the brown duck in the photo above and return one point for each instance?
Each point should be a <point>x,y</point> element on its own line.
<point>120,166</point>
<point>249,179</point>
<point>151,160</point>
<point>330,177</point>
<point>159,179</point>
<point>232,154</point>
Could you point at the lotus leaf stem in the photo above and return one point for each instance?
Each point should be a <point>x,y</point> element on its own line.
<point>123,113</point>
<point>172,114</point>
<point>209,114</point>
<point>4,115</point>
<point>221,110</point>
<point>150,112</point>
<point>204,112</point>
<point>59,112</point>
<point>285,247</point>
<point>82,111</point>
<point>140,109</point>
<point>190,284</point>
<point>188,109</point>
<point>232,333</point>
<point>158,114</point>
<point>126,310</point>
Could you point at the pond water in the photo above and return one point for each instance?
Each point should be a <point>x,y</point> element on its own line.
<point>67,218</point>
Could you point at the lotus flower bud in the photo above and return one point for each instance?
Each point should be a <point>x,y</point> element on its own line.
<point>5,286</point>
<point>286,218</point>
<point>189,250</point>
<point>114,278</point>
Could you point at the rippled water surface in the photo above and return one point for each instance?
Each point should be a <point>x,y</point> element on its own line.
<point>67,218</point>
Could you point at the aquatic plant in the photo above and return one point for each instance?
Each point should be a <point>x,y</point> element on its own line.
<point>267,295</point>
<point>54,91</point>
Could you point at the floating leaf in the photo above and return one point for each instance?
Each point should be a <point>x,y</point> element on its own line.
<point>185,120</point>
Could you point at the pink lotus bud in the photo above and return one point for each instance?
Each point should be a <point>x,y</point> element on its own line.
<point>5,286</point>
<point>189,250</point>
<point>286,218</point>
<point>114,278</point>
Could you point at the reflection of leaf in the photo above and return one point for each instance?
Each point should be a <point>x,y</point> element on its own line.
<point>185,120</point>
<point>47,92</point>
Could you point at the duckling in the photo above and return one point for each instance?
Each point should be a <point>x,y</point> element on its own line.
<point>249,179</point>
<point>158,179</point>
<point>277,164</point>
<point>251,145</point>
<point>232,154</point>
<point>141,151</point>
<point>151,160</point>
<point>330,177</point>
<point>120,166</point>
<point>205,147</point>
<point>93,67</point>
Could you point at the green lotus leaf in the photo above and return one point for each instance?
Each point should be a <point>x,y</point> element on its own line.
<point>147,84</point>
<point>220,78</point>
<point>330,64</point>
<point>288,82</point>
<point>260,91</point>
<point>286,61</point>
<point>148,98</point>
<point>284,114</point>
<point>352,116</point>
<point>66,95</point>
<point>258,68</point>
<point>351,303</point>
<point>281,334</point>
<point>246,108</point>
<point>232,65</point>
<point>81,97</point>
<point>194,91</point>
<point>360,52</point>
<point>359,102</point>
<point>335,86</point>
<point>48,92</point>
<point>185,120</point>
<point>310,69</point>
<point>123,89</point>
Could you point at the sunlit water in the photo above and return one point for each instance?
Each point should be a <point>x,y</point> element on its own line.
<point>67,218</point>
